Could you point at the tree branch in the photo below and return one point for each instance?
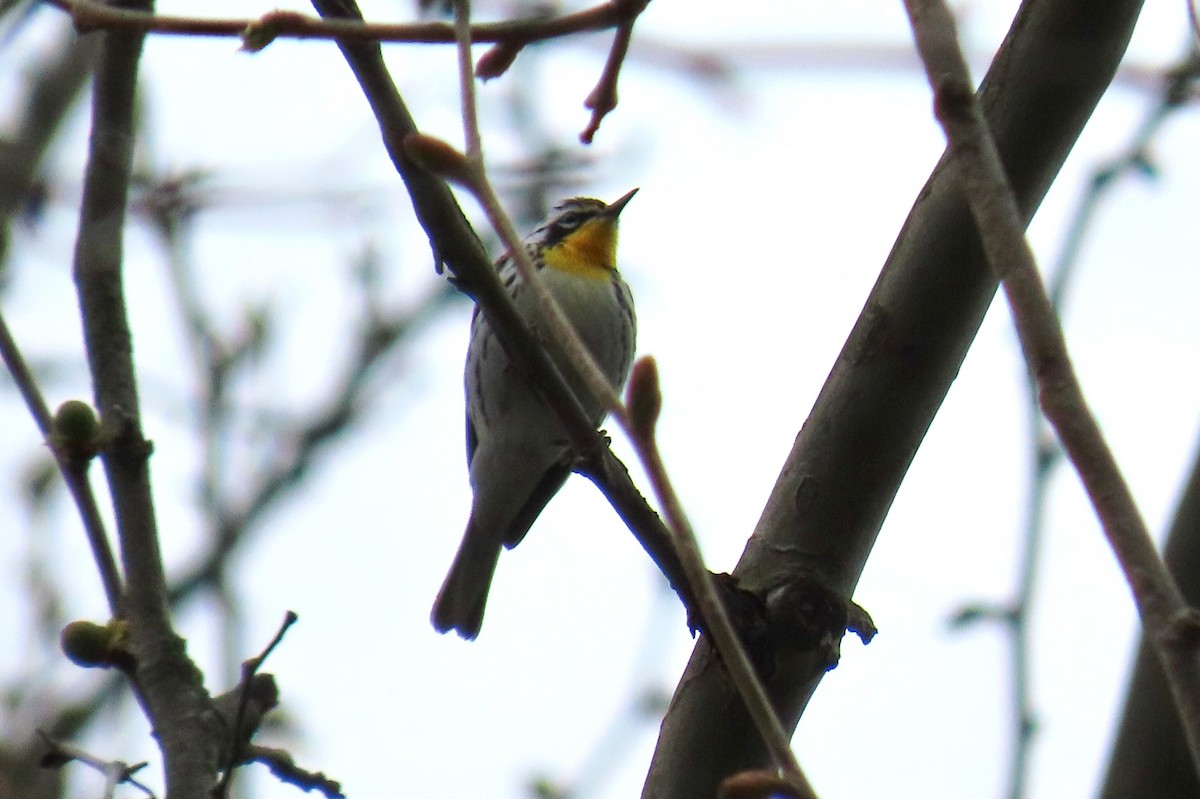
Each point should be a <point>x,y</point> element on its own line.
<point>88,16</point>
<point>603,98</point>
<point>1170,623</point>
<point>850,457</point>
<point>167,681</point>
<point>72,466</point>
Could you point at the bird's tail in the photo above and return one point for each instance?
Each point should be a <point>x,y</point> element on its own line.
<point>459,605</point>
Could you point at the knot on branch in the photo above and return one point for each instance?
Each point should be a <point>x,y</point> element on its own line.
<point>252,701</point>
<point>748,614</point>
<point>807,616</point>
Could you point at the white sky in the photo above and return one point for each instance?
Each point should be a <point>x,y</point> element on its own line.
<point>765,213</point>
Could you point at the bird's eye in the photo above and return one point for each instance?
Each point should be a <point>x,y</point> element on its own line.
<point>570,220</point>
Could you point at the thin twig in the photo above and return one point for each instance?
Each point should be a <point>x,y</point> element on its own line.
<point>603,98</point>
<point>717,622</point>
<point>23,379</point>
<point>644,391</point>
<point>284,767</point>
<point>88,15</point>
<point>1168,620</point>
<point>1175,85</point>
<point>1046,454</point>
<point>249,669</point>
<point>1045,451</point>
<point>74,470</point>
<point>463,39</point>
<point>710,605</point>
<point>116,772</point>
<point>548,310</point>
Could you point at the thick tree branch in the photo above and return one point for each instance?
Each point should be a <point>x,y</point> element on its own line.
<point>894,371</point>
<point>168,683</point>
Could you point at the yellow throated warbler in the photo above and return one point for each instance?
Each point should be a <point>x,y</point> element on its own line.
<point>517,452</point>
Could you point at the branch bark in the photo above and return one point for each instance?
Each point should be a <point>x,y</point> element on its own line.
<point>850,457</point>
<point>167,682</point>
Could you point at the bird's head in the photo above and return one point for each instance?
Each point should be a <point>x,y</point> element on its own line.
<point>581,235</point>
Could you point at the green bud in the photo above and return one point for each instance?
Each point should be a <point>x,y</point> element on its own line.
<point>75,421</point>
<point>76,430</point>
<point>91,645</point>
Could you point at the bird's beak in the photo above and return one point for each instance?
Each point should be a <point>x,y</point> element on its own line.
<point>614,209</point>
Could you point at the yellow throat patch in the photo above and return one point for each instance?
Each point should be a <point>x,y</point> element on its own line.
<point>590,250</point>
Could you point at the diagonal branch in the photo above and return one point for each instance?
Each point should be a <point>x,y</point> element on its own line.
<point>1046,455</point>
<point>848,461</point>
<point>708,607</point>
<point>74,469</point>
<point>1170,624</point>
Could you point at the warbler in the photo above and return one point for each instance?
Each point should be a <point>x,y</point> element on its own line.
<point>518,455</point>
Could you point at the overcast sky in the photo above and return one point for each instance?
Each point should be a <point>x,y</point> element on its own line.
<point>768,204</point>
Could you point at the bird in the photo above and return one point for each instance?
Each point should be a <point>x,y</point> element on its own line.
<point>518,454</point>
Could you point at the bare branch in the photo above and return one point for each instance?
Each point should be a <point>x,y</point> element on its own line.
<point>838,482</point>
<point>1168,620</point>
<point>167,680</point>
<point>709,607</point>
<point>603,97</point>
<point>74,469</point>
<point>644,395</point>
<point>88,15</point>
<point>284,767</point>
<point>240,740</point>
<point>116,772</point>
